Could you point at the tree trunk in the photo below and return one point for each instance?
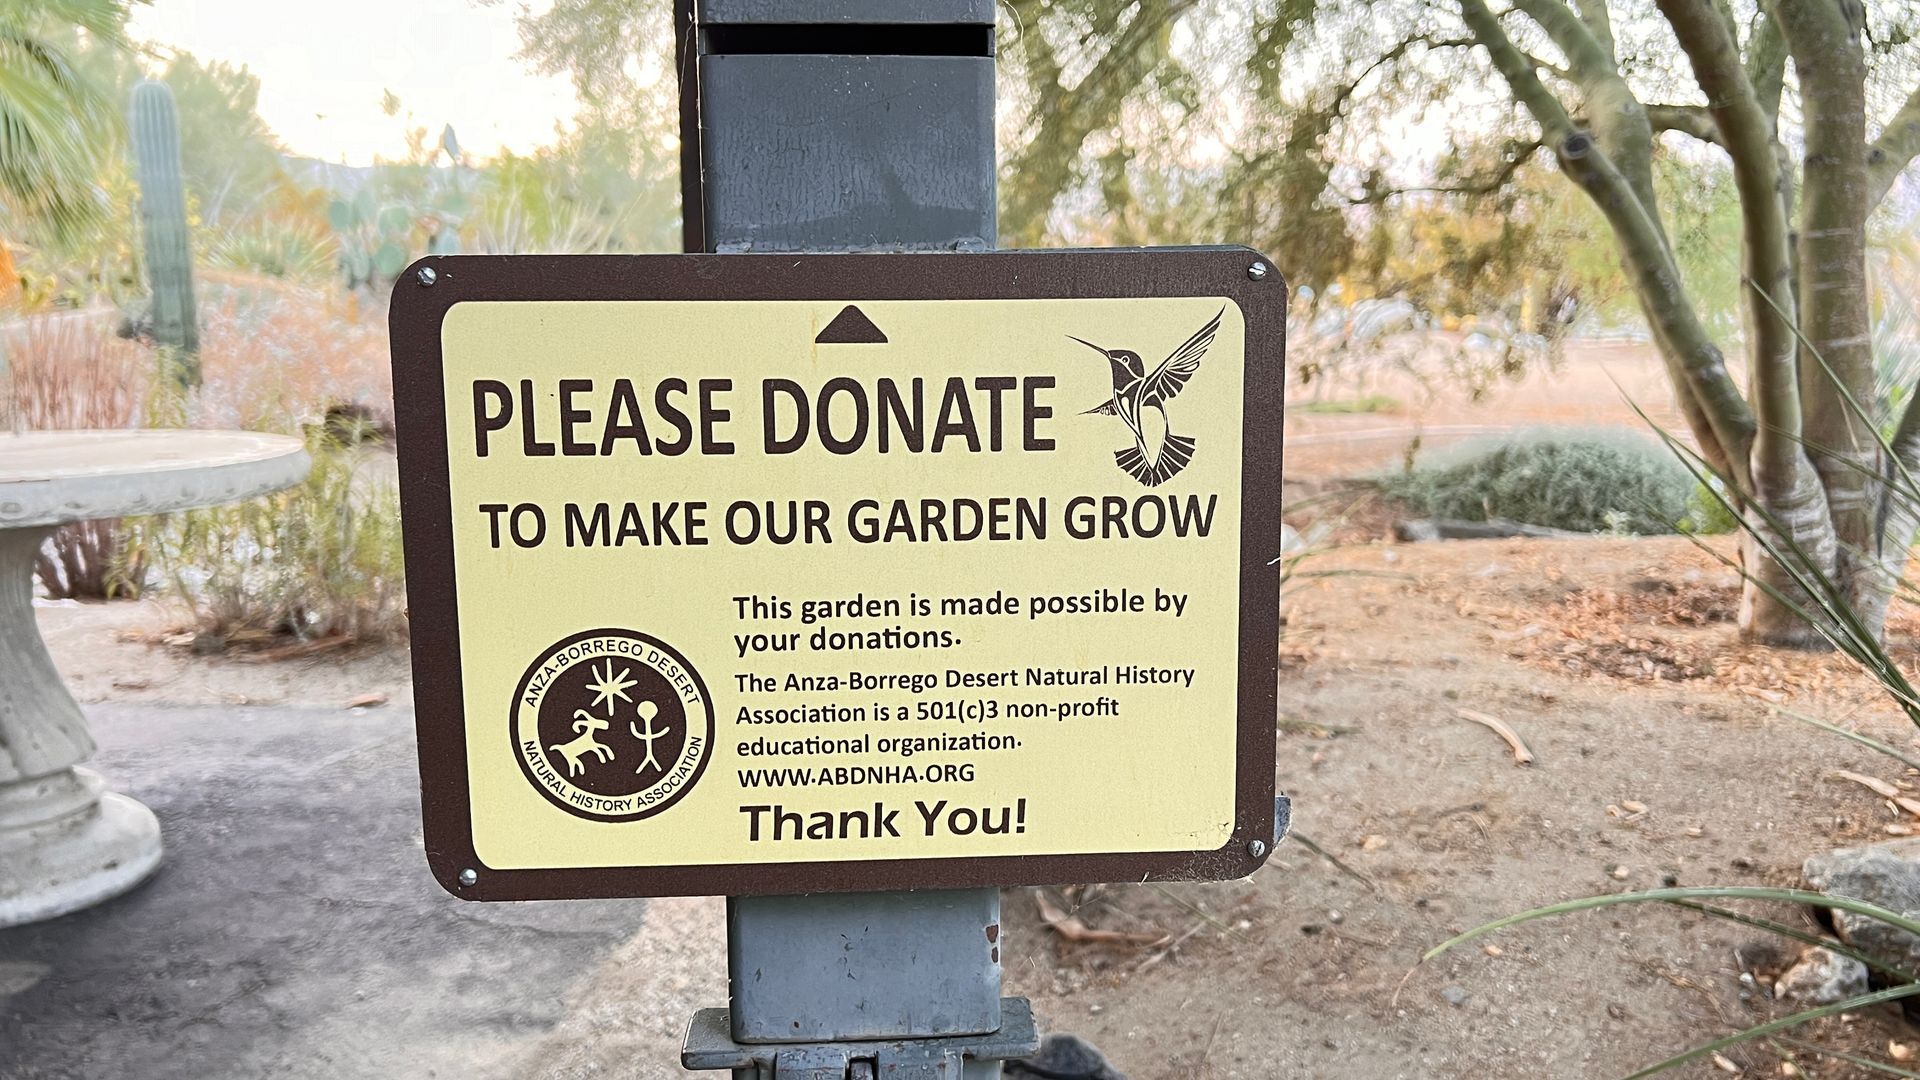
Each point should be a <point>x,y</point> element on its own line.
<point>1826,531</point>
<point>1842,534</point>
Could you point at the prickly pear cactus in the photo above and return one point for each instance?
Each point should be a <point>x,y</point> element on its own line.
<point>378,240</point>
<point>163,218</point>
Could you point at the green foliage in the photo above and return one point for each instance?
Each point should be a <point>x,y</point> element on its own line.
<point>1581,480</point>
<point>376,240</point>
<point>56,124</point>
<point>229,159</point>
<point>322,559</point>
<point>1711,514</point>
<point>163,220</point>
<point>602,188</point>
<point>408,208</point>
<point>290,250</point>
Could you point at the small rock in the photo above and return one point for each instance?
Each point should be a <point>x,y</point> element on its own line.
<point>1620,873</point>
<point>1886,874</point>
<point>1455,996</point>
<point>1822,977</point>
<point>18,977</point>
<point>1065,1056</point>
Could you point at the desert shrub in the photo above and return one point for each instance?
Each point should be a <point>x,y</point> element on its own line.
<point>276,359</point>
<point>319,560</point>
<point>322,559</point>
<point>1581,480</point>
<point>1710,515</point>
<point>68,371</point>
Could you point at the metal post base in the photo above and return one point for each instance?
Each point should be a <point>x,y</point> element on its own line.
<point>848,967</point>
<point>710,1046</point>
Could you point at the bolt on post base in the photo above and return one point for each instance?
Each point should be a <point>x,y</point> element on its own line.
<point>710,1046</point>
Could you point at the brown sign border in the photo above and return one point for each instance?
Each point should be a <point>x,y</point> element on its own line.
<point>420,416</point>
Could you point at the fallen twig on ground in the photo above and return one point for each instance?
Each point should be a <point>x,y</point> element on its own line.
<point>1073,929</point>
<point>1521,755</point>
<point>1296,835</point>
<point>1883,789</point>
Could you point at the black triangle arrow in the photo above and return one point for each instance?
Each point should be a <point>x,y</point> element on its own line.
<point>851,327</point>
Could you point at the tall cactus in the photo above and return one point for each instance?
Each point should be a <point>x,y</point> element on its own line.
<point>163,217</point>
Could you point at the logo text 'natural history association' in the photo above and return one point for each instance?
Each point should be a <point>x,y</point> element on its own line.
<point>612,725</point>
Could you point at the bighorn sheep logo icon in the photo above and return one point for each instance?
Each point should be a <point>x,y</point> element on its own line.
<point>585,726</point>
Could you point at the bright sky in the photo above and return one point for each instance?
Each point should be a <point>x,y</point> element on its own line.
<point>323,67</point>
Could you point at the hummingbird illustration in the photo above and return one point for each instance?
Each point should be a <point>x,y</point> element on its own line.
<point>1157,455</point>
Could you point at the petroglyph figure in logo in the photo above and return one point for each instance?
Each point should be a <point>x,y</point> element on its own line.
<point>611,725</point>
<point>647,711</point>
<point>1157,454</point>
<point>585,726</point>
<point>606,686</point>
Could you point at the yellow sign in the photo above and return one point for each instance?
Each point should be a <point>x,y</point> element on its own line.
<point>858,579</point>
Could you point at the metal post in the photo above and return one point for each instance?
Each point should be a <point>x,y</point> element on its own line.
<point>850,125</point>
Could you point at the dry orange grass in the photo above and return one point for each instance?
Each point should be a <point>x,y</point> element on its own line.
<point>275,360</point>
<point>69,371</point>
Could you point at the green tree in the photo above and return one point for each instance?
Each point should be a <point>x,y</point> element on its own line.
<point>1119,54</point>
<point>56,126</point>
<point>1814,108</point>
<point>231,161</point>
<point>611,181</point>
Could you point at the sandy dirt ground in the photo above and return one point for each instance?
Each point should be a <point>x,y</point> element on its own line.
<point>1613,659</point>
<point>1658,759</point>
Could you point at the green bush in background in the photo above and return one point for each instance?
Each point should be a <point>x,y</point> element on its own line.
<point>1578,479</point>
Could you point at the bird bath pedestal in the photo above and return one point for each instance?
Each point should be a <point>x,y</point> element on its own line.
<point>65,841</point>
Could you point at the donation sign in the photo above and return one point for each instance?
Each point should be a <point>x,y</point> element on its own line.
<point>776,574</point>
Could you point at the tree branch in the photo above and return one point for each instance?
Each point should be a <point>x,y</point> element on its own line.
<point>1619,121</point>
<point>1599,23</point>
<point>1585,54</point>
<point>1399,49</point>
<point>1486,185</point>
<point>1693,120</point>
<point>1708,397</point>
<point>1767,64</point>
<point>1747,132</point>
<point>1836,343</point>
<point>1551,68</point>
<point>1889,155</point>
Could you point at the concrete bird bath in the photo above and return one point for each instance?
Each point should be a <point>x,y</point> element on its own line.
<point>65,841</point>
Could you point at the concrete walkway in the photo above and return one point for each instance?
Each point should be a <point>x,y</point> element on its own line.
<point>293,930</point>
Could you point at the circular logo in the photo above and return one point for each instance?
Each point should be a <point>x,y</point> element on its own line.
<point>612,725</point>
